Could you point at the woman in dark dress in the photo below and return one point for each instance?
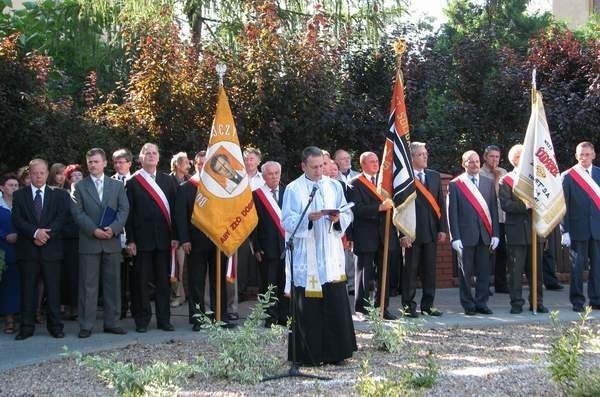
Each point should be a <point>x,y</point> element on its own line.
<point>10,284</point>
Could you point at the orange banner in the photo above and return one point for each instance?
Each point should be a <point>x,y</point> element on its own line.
<point>224,209</point>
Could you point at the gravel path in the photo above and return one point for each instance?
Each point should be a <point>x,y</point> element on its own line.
<point>488,361</point>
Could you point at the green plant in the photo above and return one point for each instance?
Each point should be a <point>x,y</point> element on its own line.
<point>424,378</point>
<point>566,351</point>
<point>407,381</point>
<point>390,338</point>
<point>369,385</point>
<point>587,384</point>
<point>131,380</point>
<point>243,354</point>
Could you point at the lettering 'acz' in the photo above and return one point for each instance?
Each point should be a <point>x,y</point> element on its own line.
<point>222,130</point>
<point>548,162</point>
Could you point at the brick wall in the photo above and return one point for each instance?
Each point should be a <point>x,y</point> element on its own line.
<point>445,268</point>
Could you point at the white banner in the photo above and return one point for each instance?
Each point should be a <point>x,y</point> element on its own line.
<point>538,178</point>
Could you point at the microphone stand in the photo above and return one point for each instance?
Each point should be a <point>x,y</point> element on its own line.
<point>294,370</point>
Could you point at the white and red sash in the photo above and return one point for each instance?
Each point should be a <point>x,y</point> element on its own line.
<point>509,179</point>
<point>155,192</point>
<point>473,195</point>
<point>266,198</point>
<point>586,182</point>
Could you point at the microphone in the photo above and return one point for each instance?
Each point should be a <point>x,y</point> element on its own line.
<point>314,190</point>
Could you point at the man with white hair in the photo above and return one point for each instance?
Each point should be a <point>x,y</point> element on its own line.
<point>268,240</point>
<point>518,239</point>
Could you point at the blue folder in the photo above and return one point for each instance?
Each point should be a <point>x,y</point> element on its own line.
<point>108,217</point>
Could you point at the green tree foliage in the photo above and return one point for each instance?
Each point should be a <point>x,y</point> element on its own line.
<point>32,123</point>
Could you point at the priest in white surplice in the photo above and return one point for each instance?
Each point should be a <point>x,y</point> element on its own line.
<point>324,328</point>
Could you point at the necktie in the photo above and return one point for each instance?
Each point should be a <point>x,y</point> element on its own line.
<point>122,178</point>
<point>421,177</point>
<point>474,180</point>
<point>37,204</point>
<point>274,192</point>
<point>99,188</point>
<point>373,180</point>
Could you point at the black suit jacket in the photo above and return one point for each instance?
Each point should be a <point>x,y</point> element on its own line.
<point>368,227</point>
<point>53,217</point>
<point>146,225</point>
<point>465,224</point>
<point>517,226</point>
<point>266,236</point>
<point>428,224</point>
<point>186,231</point>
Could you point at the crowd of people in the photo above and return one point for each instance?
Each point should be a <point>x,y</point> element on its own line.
<point>71,234</point>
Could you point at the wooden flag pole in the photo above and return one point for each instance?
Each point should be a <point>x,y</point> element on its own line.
<point>218,287</point>
<point>386,243</point>
<point>534,268</point>
<point>534,252</point>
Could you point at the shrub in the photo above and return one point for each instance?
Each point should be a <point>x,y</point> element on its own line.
<point>566,351</point>
<point>243,354</point>
<point>389,338</point>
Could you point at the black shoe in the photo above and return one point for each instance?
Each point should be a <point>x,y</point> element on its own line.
<point>197,327</point>
<point>501,290</point>
<point>228,325</point>
<point>167,327</point>
<point>389,316</point>
<point>540,309</point>
<point>84,333</point>
<point>578,309</point>
<point>554,287</point>
<point>23,335</point>
<point>516,310</point>
<point>232,316</point>
<point>595,307</point>
<point>470,312</point>
<point>115,330</point>
<point>484,310</point>
<point>141,329</point>
<point>431,312</point>
<point>412,313</point>
<point>57,334</point>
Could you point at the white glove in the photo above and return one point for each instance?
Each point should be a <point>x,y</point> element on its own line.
<point>565,240</point>
<point>457,246</point>
<point>494,243</point>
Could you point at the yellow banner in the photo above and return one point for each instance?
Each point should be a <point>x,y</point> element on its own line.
<point>224,209</point>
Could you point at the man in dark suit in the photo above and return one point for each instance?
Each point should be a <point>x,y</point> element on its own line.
<point>518,239</point>
<point>38,214</point>
<point>581,225</point>
<point>368,233</point>
<point>201,251</point>
<point>268,239</point>
<point>431,228</point>
<point>100,208</point>
<point>473,220</point>
<point>151,238</point>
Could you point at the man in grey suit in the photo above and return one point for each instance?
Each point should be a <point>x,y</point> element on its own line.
<point>473,221</point>
<point>98,200</point>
